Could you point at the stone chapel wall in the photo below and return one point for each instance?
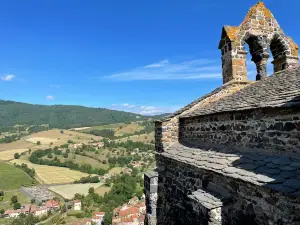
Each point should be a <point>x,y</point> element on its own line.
<point>250,204</point>
<point>272,130</point>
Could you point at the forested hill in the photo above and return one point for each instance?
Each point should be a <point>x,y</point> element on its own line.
<point>60,116</point>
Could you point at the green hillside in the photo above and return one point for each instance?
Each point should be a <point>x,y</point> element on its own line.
<point>60,116</point>
<point>12,177</point>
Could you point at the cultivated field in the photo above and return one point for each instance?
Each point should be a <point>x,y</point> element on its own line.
<point>102,189</point>
<point>45,141</point>
<point>128,129</point>
<point>52,174</point>
<point>9,154</point>
<point>12,177</point>
<point>69,190</point>
<point>115,170</point>
<point>119,128</point>
<point>58,138</point>
<point>79,159</point>
<point>146,138</point>
<point>16,145</point>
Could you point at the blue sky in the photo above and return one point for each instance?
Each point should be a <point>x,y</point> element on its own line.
<point>135,55</point>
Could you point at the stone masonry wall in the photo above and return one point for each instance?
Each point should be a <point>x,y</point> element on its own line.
<point>250,204</point>
<point>167,132</point>
<point>273,130</point>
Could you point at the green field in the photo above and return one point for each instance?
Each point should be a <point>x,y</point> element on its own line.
<point>6,201</point>
<point>12,177</point>
<point>79,159</point>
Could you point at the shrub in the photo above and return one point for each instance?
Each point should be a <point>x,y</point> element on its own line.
<point>17,155</point>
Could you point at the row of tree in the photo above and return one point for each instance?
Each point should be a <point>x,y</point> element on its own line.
<point>26,169</point>
<point>36,158</point>
<point>129,145</point>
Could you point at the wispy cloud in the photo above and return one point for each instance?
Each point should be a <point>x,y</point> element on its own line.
<point>50,97</point>
<point>151,110</point>
<point>8,77</point>
<point>144,110</point>
<point>166,70</point>
<point>129,106</point>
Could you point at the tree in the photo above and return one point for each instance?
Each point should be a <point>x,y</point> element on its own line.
<point>107,218</point>
<point>50,156</point>
<point>134,172</point>
<point>68,150</point>
<point>17,155</point>
<point>51,143</point>
<point>2,211</point>
<point>38,143</point>
<point>91,190</point>
<point>14,199</point>
<point>1,193</point>
<point>61,131</point>
<point>64,208</point>
<point>32,201</point>
<point>17,205</point>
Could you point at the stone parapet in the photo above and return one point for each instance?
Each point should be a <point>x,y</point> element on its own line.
<point>150,189</point>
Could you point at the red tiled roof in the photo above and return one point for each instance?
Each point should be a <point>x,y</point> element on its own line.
<point>52,204</point>
<point>129,211</point>
<point>99,213</point>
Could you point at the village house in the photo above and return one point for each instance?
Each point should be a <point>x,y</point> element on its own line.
<point>13,213</point>
<point>233,155</point>
<point>41,211</point>
<point>98,218</point>
<point>77,205</point>
<point>132,212</point>
<point>50,205</point>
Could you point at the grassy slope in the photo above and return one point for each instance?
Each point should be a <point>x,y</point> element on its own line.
<point>6,202</point>
<point>80,160</point>
<point>12,177</point>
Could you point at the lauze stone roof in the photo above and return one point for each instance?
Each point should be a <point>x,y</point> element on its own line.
<point>275,172</point>
<point>279,90</point>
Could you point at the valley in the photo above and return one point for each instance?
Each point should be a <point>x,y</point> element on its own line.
<point>67,164</point>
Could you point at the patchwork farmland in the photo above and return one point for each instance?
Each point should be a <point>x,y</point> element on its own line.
<point>52,174</point>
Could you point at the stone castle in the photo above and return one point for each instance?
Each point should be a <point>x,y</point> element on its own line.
<point>232,157</point>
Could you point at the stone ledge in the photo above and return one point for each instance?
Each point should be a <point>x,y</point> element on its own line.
<point>274,172</point>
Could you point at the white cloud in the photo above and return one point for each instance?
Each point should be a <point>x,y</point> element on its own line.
<point>129,106</point>
<point>8,77</point>
<point>150,110</point>
<point>160,64</point>
<point>145,110</point>
<point>166,70</point>
<point>50,97</point>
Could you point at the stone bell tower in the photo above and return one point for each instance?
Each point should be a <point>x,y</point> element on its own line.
<point>261,32</point>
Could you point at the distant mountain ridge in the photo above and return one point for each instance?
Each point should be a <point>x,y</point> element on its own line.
<point>61,116</point>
